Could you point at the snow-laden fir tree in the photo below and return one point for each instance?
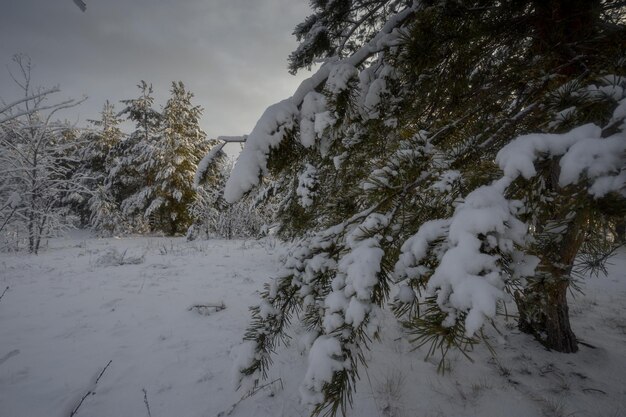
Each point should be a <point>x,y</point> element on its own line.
<point>101,139</point>
<point>174,160</point>
<point>446,158</point>
<point>132,176</point>
<point>104,214</point>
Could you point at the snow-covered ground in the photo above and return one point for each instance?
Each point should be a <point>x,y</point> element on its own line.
<point>85,302</point>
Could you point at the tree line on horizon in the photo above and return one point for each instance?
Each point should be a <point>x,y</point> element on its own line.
<point>54,175</point>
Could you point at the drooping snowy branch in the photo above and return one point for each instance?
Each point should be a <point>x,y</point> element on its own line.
<point>306,184</point>
<point>285,115</point>
<point>268,133</point>
<point>469,279</point>
<point>205,163</point>
<point>582,151</point>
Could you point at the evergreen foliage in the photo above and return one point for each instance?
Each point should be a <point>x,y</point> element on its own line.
<point>100,210</point>
<point>444,159</point>
<point>154,168</point>
<point>146,181</point>
<point>132,175</point>
<point>175,160</point>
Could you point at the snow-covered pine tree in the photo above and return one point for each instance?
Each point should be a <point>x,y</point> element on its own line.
<point>447,157</point>
<point>103,212</point>
<point>132,177</point>
<point>174,160</point>
<point>104,136</point>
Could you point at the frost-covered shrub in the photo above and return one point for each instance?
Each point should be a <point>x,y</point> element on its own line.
<point>39,180</point>
<point>216,219</point>
<point>113,257</point>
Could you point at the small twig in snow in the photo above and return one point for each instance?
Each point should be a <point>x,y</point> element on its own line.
<point>81,5</point>
<point>145,401</point>
<point>142,284</point>
<point>75,410</point>
<point>102,373</point>
<point>91,391</point>
<point>586,344</point>
<point>9,355</point>
<point>248,395</point>
<point>4,292</point>
<point>206,309</point>
<point>593,390</point>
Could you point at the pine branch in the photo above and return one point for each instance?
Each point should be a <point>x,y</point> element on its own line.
<point>248,395</point>
<point>81,5</point>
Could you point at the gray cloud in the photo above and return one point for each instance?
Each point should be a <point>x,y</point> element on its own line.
<point>230,53</point>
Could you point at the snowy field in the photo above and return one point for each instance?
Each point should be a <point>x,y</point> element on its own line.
<point>86,303</point>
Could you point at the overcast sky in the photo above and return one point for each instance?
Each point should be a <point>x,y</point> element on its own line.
<point>232,54</point>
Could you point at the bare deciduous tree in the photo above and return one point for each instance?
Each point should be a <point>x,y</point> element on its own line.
<point>38,155</point>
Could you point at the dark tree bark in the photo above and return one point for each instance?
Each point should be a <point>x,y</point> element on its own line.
<point>543,308</point>
<point>562,28</point>
<point>544,313</point>
<point>620,231</point>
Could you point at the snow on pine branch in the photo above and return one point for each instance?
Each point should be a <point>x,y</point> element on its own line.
<point>358,270</point>
<point>325,359</point>
<point>350,302</point>
<point>582,152</point>
<point>306,184</point>
<point>268,132</point>
<point>205,163</point>
<point>469,278</point>
<point>313,104</point>
<point>279,118</point>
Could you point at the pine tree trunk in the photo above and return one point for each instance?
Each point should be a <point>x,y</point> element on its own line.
<point>173,227</point>
<point>546,317</point>
<point>559,334</point>
<point>560,27</point>
<point>543,309</point>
